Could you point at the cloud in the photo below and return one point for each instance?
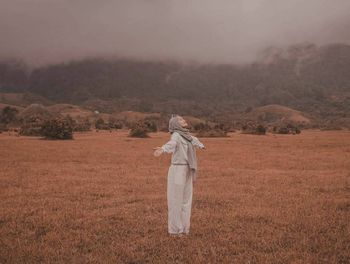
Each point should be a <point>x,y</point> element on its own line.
<point>47,31</point>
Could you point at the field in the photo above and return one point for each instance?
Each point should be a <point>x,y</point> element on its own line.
<point>101,198</point>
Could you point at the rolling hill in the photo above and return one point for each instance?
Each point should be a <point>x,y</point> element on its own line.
<point>277,114</point>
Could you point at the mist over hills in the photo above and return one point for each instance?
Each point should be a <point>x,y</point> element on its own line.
<point>309,78</point>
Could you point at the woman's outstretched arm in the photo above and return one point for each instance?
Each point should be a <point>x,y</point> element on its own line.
<point>168,147</point>
<point>197,143</point>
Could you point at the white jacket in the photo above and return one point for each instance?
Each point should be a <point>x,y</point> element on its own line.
<point>178,146</point>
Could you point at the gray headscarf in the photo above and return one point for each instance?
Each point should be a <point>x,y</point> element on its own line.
<point>174,126</point>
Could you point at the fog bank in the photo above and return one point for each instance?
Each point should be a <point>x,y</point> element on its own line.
<point>49,31</point>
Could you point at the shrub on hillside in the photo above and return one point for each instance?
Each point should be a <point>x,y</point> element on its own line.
<point>114,123</point>
<point>101,124</point>
<point>147,125</point>
<point>287,129</point>
<point>79,124</point>
<point>30,130</point>
<point>282,130</point>
<point>254,129</point>
<point>8,115</point>
<point>205,130</point>
<point>150,125</point>
<point>222,126</point>
<point>139,130</point>
<point>82,126</point>
<point>31,127</point>
<point>260,130</point>
<point>57,128</point>
<point>111,124</point>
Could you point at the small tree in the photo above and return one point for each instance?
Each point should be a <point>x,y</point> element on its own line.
<point>57,128</point>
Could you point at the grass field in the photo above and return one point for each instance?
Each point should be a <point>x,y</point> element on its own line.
<point>101,198</point>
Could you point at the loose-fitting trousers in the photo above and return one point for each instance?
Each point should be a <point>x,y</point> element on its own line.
<point>179,197</point>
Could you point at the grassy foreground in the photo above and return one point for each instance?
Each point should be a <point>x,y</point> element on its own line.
<point>101,198</point>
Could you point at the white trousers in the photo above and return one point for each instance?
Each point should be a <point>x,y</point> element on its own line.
<point>179,198</point>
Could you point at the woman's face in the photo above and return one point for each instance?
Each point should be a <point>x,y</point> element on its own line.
<point>182,121</point>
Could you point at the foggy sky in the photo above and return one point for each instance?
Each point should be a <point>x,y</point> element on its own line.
<point>49,31</point>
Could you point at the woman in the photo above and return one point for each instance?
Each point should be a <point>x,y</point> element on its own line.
<point>181,174</point>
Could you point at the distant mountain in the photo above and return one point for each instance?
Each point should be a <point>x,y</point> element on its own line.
<point>311,79</point>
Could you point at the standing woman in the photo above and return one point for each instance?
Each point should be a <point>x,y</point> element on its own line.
<point>181,174</point>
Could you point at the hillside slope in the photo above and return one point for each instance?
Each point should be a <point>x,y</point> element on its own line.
<point>311,79</point>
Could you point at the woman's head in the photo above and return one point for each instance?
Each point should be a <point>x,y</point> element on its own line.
<point>182,121</point>
<point>177,123</point>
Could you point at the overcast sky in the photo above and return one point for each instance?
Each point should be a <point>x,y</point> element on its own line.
<point>48,31</point>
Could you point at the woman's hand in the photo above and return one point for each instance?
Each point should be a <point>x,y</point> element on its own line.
<point>158,151</point>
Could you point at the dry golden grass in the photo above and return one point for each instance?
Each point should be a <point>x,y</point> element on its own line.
<point>101,198</point>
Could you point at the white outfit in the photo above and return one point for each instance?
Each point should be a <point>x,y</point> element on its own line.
<point>179,184</point>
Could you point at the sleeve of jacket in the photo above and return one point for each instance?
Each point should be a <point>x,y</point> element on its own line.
<point>197,143</point>
<point>170,146</point>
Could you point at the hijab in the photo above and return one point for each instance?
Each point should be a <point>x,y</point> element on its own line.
<point>174,126</point>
